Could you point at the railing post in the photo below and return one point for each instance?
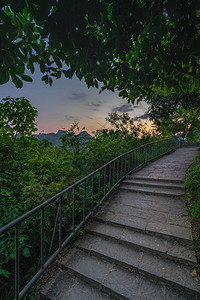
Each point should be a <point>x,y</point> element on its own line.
<point>109,176</point>
<point>60,222</point>
<point>16,262</point>
<point>73,213</point>
<point>117,170</point>
<point>114,174</point>
<point>99,188</point>
<point>104,181</point>
<point>42,238</point>
<point>92,192</point>
<point>134,158</point>
<point>146,153</point>
<point>84,196</point>
<point>121,167</point>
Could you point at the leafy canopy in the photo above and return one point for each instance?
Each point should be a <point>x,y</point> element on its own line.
<point>17,116</point>
<point>142,48</point>
<point>185,121</point>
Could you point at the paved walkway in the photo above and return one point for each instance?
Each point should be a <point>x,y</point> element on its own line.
<point>138,246</point>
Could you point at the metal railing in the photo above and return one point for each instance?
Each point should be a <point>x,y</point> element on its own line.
<point>74,206</point>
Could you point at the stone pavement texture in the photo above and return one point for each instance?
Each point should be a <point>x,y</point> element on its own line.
<point>138,246</point>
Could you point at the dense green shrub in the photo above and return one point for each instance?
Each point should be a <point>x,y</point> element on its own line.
<point>192,185</point>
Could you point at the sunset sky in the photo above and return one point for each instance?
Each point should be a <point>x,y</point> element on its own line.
<point>70,100</point>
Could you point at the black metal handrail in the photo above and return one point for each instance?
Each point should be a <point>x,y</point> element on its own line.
<point>88,193</point>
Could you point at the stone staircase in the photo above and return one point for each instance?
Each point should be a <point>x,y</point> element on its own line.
<point>138,246</point>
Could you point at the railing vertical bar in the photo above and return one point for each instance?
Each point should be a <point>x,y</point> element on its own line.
<point>73,213</point>
<point>92,191</point>
<point>139,157</point>
<point>117,170</point>
<point>121,167</point>
<point>109,177</point>
<point>114,174</point>
<point>54,230</point>
<point>135,158</point>
<point>42,238</point>
<point>84,197</point>
<point>60,221</point>
<point>16,262</point>
<point>146,149</point>
<point>104,187</point>
<point>131,160</point>
<point>125,156</point>
<point>99,188</point>
<point>143,155</point>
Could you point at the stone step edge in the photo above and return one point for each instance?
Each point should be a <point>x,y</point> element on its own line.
<point>150,232</point>
<point>143,248</point>
<point>43,296</point>
<point>159,280</point>
<point>134,190</point>
<point>95,283</point>
<point>146,184</point>
<point>155,179</point>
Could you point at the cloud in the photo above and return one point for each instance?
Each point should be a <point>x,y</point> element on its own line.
<point>123,108</point>
<point>94,106</point>
<point>142,117</point>
<point>78,96</point>
<point>94,109</point>
<point>70,118</point>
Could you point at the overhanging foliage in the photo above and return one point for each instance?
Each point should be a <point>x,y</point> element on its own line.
<point>141,48</point>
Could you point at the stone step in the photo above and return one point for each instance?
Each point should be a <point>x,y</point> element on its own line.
<point>64,285</point>
<point>143,178</point>
<point>168,231</point>
<point>172,217</point>
<point>142,241</point>
<point>151,190</point>
<point>156,184</point>
<point>164,270</point>
<point>123,283</point>
<point>142,201</point>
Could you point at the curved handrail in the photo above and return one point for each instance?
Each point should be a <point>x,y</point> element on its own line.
<point>45,203</point>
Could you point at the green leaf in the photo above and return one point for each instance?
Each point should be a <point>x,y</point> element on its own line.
<point>58,74</point>
<point>45,79</point>
<point>69,73</point>
<point>96,84</point>
<point>26,78</point>
<point>30,66</point>
<point>50,81</point>
<point>58,62</point>
<point>42,67</point>
<point>4,76</point>
<point>16,80</point>
<point>4,273</point>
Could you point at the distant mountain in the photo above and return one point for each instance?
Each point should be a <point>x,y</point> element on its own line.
<point>55,138</point>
